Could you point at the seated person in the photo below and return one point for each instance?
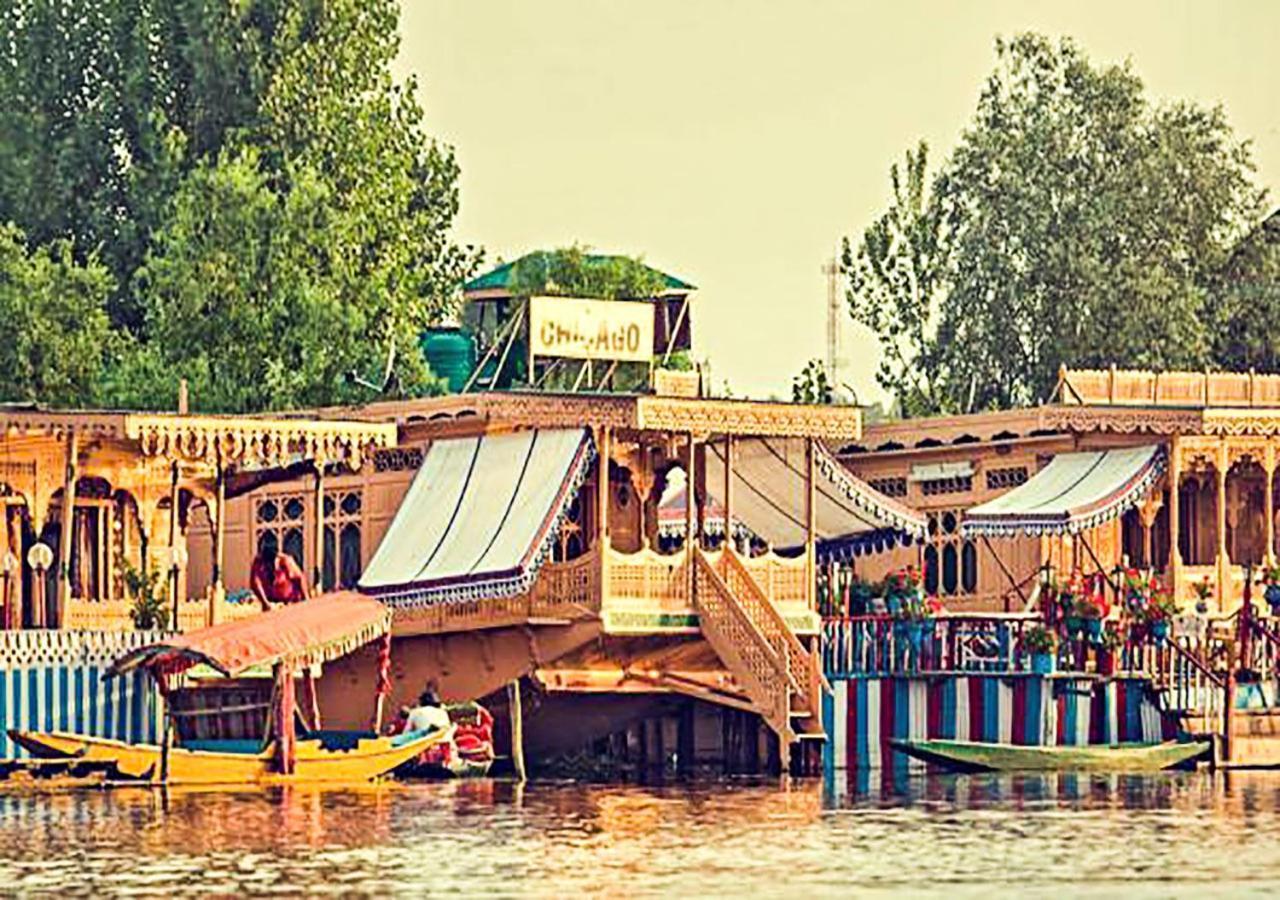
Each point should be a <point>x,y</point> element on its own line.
<point>276,577</point>
<point>428,714</point>
<point>400,723</point>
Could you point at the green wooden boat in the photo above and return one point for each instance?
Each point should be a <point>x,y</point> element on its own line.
<point>973,756</point>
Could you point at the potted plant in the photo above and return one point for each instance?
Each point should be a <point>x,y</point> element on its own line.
<point>1272,592</point>
<point>1040,643</point>
<point>1160,615</point>
<point>1068,595</point>
<point>149,611</point>
<point>1203,593</point>
<point>1089,614</point>
<point>1108,650</point>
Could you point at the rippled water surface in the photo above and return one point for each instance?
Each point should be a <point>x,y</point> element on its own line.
<point>1191,834</point>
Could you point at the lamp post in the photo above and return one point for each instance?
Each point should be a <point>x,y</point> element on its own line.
<point>40,558</point>
<point>177,558</point>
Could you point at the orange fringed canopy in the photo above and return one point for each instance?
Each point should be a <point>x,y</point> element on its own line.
<point>302,634</point>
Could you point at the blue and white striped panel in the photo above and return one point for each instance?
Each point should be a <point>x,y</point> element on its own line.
<point>79,699</point>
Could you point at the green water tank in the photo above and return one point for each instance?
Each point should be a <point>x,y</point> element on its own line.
<point>451,354</point>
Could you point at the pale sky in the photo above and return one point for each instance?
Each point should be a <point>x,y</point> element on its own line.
<point>734,143</point>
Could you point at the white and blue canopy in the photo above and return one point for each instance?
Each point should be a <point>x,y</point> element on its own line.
<point>1075,492</point>
<point>480,517</point>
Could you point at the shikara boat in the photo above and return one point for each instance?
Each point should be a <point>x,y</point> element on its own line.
<point>467,754</point>
<point>223,727</point>
<point>973,756</point>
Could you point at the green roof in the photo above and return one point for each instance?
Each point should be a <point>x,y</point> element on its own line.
<point>500,278</point>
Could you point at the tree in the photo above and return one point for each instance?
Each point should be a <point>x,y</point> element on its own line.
<point>55,337</point>
<point>119,113</point>
<point>1246,327</point>
<point>811,385</point>
<point>896,281</point>
<point>1081,226</point>
<point>250,297</point>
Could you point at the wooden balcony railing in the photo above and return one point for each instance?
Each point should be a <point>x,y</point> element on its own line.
<point>116,615</point>
<point>649,581</point>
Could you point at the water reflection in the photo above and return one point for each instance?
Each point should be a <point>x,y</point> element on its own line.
<point>932,834</point>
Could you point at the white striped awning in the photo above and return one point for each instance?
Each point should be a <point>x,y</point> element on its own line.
<point>479,518</point>
<point>769,493</point>
<point>1075,492</point>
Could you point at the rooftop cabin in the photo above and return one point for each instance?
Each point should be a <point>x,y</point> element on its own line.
<point>1214,435</point>
<point>516,321</point>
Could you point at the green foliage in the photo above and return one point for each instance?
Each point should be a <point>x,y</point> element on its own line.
<point>54,334</point>
<point>811,385</point>
<point>261,188</point>
<point>149,611</point>
<point>575,272</point>
<point>1075,223</point>
<point>896,282</point>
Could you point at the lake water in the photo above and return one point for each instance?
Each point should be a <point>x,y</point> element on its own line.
<point>1182,834</point>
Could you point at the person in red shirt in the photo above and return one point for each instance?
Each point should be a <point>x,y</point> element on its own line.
<point>276,577</point>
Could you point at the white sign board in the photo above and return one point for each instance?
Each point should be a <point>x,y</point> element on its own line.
<point>577,328</point>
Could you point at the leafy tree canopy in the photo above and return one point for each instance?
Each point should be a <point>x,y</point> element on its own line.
<point>261,189</point>
<point>812,384</point>
<point>1075,223</point>
<point>56,336</point>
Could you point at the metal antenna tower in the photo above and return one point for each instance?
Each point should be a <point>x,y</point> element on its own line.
<point>832,270</point>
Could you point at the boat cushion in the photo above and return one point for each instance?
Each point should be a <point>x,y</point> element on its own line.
<point>225,745</point>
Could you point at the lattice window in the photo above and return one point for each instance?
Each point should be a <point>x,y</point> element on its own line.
<point>397,459</point>
<point>959,484</point>
<point>950,562</point>
<point>1000,479</point>
<point>343,521</point>
<point>283,515</point>
<point>890,487</point>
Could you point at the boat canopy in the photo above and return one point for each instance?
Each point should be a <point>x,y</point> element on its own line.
<point>1075,492</point>
<point>299,635</point>
<point>769,491</point>
<point>480,517</point>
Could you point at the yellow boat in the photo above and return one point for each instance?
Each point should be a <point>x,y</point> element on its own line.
<point>317,759</point>
<point>214,737</point>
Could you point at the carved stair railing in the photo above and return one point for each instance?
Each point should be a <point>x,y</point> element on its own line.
<point>743,648</point>
<point>804,669</point>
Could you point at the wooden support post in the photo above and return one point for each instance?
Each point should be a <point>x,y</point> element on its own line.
<point>1223,560</point>
<point>173,543</point>
<point>285,720</point>
<point>1229,703</point>
<point>728,493</point>
<point>166,743</point>
<point>65,537</point>
<point>516,716</point>
<point>218,592</point>
<point>317,571</point>
<point>690,537</point>
<point>1175,515</point>
<point>685,743</point>
<point>311,699</point>
<point>604,448</point>
<point>810,525</point>
<point>1269,468</point>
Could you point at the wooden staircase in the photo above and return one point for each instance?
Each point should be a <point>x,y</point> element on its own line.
<point>780,675</point>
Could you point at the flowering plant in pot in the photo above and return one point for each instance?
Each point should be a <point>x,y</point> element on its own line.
<point>1271,575</point>
<point>1089,613</point>
<point>1069,596</point>
<point>1109,649</point>
<point>1203,592</point>
<point>1160,615</point>
<point>1040,644</point>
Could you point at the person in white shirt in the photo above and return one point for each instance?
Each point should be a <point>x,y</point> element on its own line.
<point>428,715</point>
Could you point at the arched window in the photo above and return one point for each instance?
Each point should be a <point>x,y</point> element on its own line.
<point>949,569</point>
<point>969,567</point>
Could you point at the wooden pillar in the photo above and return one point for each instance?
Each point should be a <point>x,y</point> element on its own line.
<point>218,592</point>
<point>604,449</point>
<point>1175,516</point>
<point>810,523</point>
<point>728,493</point>
<point>700,490</point>
<point>690,537</point>
<point>285,724</point>
<point>516,716</point>
<point>64,541</point>
<point>173,543</point>
<point>1269,468</point>
<point>317,572</point>
<point>1223,559</point>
